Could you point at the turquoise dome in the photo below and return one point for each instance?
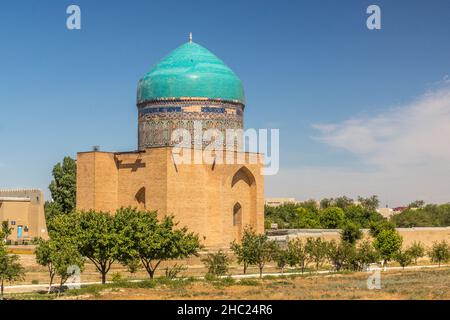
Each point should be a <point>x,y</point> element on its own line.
<point>190,71</point>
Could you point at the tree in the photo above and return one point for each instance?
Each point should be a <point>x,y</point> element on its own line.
<point>317,250</point>
<point>372,203</point>
<point>10,268</point>
<point>217,263</point>
<point>143,237</point>
<point>255,249</point>
<point>98,240</point>
<point>388,242</point>
<point>298,254</point>
<point>440,252</point>
<point>306,219</point>
<point>332,218</point>
<point>375,227</point>
<point>5,231</point>
<point>350,232</point>
<point>417,204</point>
<point>243,251</point>
<point>342,202</point>
<point>283,258</point>
<point>340,254</point>
<point>45,252</point>
<point>66,260</point>
<point>63,186</point>
<point>61,254</point>
<point>265,250</point>
<point>403,258</point>
<point>416,251</point>
<point>365,255</point>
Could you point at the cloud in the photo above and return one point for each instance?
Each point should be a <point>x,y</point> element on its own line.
<point>404,153</point>
<point>414,135</point>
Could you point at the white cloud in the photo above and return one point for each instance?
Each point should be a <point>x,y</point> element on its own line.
<point>405,152</point>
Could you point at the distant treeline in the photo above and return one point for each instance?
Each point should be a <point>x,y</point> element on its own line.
<point>336,213</point>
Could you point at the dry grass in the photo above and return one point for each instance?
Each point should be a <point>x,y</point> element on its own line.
<point>408,284</point>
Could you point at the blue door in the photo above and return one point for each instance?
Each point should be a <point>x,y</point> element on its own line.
<point>19,232</point>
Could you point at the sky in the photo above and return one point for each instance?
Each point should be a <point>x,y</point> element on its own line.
<point>360,111</point>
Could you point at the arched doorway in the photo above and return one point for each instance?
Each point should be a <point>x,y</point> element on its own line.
<point>237,220</point>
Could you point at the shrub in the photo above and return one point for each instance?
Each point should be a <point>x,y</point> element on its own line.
<point>173,271</point>
<point>217,263</point>
<point>416,251</point>
<point>440,252</point>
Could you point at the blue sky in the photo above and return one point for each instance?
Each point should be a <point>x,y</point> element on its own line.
<point>310,68</point>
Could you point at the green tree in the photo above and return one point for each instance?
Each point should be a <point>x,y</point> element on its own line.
<point>244,250</point>
<point>5,231</point>
<point>66,260</point>
<point>306,219</point>
<point>298,254</point>
<point>317,250</point>
<point>143,237</point>
<point>98,240</point>
<point>403,258</point>
<point>283,258</point>
<point>217,263</point>
<point>342,202</point>
<point>440,252</point>
<point>372,203</point>
<point>332,218</point>
<point>340,254</point>
<point>63,185</point>
<point>10,268</point>
<point>365,255</point>
<point>45,252</point>
<point>350,232</point>
<point>376,227</point>
<point>416,251</point>
<point>388,242</point>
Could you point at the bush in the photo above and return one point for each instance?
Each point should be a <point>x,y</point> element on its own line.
<point>217,263</point>
<point>173,271</point>
<point>416,251</point>
<point>403,258</point>
<point>440,252</point>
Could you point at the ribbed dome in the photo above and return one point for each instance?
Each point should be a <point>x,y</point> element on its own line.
<point>190,71</point>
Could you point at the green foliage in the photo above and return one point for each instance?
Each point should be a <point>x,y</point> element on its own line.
<point>388,242</point>
<point>365,255</point>
<point>63,186</point>
<point>340,254</point>
<point>98,240</point>
<point>317,250</point>
<point>298,254</point>
<point>309,215</point>
<point>244,250</point>
<point>142,236</point>
<point>375,227</point>
<point>403,257</point>
<point>416,251</point>
<point>350,232</point>
<point>440,252</point>
<point>5,231</point>
<point>10,268</point>
<point>282,258</point>
<point>217,263</point>
<point>371,203</point>
<point>174,271</point>
<point>306,219</point>
<point>332,218</point>
<point>420,215</point>
<point>255,249</point>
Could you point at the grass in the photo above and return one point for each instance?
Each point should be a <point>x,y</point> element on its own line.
<point>401,284</point>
